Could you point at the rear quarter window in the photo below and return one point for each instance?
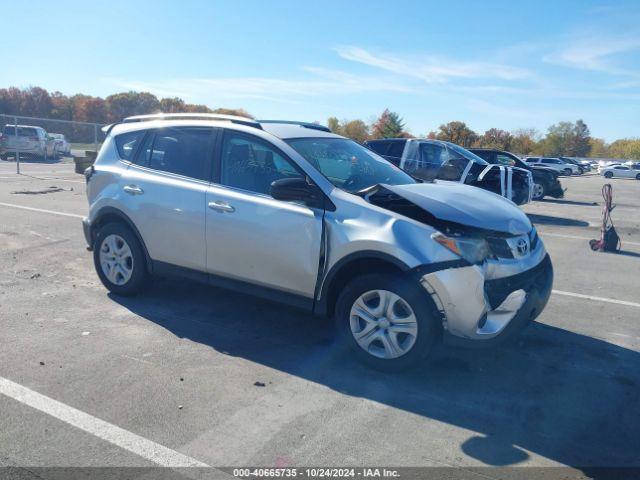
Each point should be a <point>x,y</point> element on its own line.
<point>126,143</point>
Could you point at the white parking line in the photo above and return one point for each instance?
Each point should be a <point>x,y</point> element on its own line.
<point>141,446</point>
<point>576,237</point>
<point>41,210</point>
<point>597,299</point>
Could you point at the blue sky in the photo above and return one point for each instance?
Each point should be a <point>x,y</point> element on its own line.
<point>506,64</point>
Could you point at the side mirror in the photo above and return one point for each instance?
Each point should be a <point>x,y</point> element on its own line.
<point>296,189</point>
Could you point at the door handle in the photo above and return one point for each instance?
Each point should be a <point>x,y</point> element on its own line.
<point>220,206</point>
<point>133,190</point>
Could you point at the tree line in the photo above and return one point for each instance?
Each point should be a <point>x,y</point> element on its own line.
<point>571,139</point>
<point>567,139</point>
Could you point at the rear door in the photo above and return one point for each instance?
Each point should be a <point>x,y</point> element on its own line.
<point>165,189</point>
<point>251,236</point>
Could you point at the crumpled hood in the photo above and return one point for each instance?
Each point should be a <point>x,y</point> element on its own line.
<point>467,205</point>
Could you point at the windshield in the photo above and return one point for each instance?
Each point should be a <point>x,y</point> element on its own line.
<point>463,152</point>
<point>347,164</point>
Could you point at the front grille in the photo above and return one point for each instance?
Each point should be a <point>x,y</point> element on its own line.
<point>499,247</point>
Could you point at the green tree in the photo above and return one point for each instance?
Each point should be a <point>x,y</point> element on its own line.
<point>388,125</point>
<point>458,133</point>
<point>580,146</point>
<point>627,148</point>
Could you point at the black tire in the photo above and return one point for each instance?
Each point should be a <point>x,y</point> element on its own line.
<point>139,275</point>
<point>428,319</point>
<point>638,176</point>
<point>608,174</point>
<point>567,172</point>
<point>542,193</point>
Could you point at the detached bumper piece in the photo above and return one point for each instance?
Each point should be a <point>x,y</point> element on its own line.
<point>484,313</point>
<point>86,229</point>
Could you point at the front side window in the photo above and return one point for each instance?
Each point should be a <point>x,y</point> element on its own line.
<point>347,164</point>
<point>184,151</point>
<point>504,160</point>
<point>250,163</point>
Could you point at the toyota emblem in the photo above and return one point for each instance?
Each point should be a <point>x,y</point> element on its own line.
<point>522,246</point>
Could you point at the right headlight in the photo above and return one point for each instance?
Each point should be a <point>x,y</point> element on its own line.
<point>473,250</point>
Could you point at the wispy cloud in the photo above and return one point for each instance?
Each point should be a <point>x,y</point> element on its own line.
<point>317,82</point>
<point>430,68</point>
<point>596,52</point>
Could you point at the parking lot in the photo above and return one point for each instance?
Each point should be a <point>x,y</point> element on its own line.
<point>191,375</point>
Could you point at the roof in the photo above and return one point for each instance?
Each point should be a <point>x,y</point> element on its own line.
<point>283,129</point>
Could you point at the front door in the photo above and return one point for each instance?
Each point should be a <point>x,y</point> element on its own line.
<point>252,237</point>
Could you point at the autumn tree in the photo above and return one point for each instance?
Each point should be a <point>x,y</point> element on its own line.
<point>172,105</point>
<point>388,125</point>
<point>496,138</point>
<point>597,148</point>
<point>356,130</point>
<point>524,141</point>
<point>580,143</point>
<point>238,112</point>
<point>126,104</point>
<point>334,125</point>
<point>458,133</point>
<point>628,148</point>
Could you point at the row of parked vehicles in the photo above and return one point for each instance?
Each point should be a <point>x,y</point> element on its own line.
<point>620,170</point>
<point>32,141</point>
<point>295,213</point>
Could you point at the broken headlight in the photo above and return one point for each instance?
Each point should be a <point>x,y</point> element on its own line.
<point>472,249</point>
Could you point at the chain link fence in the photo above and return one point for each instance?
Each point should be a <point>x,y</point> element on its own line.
<point>31,140</point>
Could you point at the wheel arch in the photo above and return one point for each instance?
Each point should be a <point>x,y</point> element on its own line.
<point>349,267</point>
<point>113,215</point>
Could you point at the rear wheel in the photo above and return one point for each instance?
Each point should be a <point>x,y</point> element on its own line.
<point>538,191</point>
<point>638,176</point>
<point>119,260</point>
<point>608,174</point>
<point>388,321</point>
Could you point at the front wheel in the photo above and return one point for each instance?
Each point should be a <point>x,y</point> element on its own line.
<point>388,321</point>
<point>119,260</point>
<point>567,171</point>
<point>608,174</point>
<point>638,176</point>
<point>538,191</point>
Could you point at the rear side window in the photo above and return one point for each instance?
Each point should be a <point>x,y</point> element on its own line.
<point>395,149</point>
<point>380,147</point>
<point>126,143</point>
<point>183,151</point>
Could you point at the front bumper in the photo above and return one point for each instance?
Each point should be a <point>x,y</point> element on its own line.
<point>480,312</point>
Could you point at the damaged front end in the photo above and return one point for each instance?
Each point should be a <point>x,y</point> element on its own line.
<point>504,276</point>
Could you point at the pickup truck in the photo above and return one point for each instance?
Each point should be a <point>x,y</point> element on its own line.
<point>545,180</point>
<point>428,159</point>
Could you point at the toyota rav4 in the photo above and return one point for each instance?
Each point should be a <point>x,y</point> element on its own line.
<point>292,212</point>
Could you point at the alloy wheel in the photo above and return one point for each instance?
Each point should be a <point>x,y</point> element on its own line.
<point>383,324</point>
<point>116,259</point>
<point>538,190</point>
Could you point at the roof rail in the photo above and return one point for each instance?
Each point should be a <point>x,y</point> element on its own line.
<point>194,116</point>
<point>314,126</point>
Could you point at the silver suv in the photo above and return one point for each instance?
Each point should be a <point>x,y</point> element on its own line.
<point>292,212</point>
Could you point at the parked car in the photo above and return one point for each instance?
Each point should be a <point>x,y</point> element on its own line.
<point>554,163</point>
<point>30,141</point>
<point>430,159</point>
<point>581,168</point>
<point>62,146</point>
<point>545,180</point>
<point>622,171</point>
<point>298,214</point>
